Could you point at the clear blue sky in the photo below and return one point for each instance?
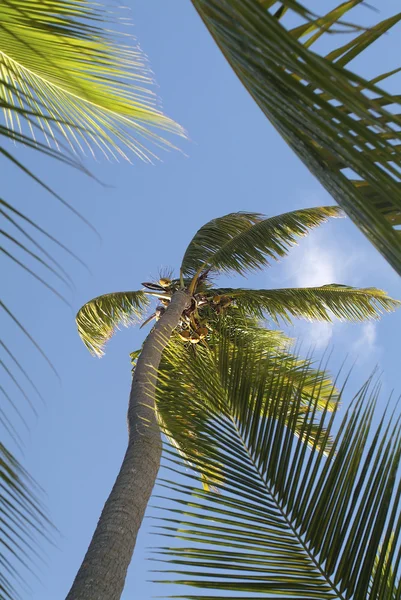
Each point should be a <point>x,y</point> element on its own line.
<point>146,216</point>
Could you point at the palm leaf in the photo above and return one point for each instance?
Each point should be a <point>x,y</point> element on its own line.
<point>345,128</point>
<point>180,377</point>
<point>287,521</point>
<point>98,319</point>
<point>243,241</point>
<point>240,329</point>
<point>315,304</point>
<point>72,78</point>
<point>23,521</point>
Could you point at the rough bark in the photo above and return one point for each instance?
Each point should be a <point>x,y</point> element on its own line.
<point>104,568</point>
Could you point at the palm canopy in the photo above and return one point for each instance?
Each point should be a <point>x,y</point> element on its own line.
<point>284,520</point>
<point>346,129</point>
<point>237,242</point>
<point>315,303</point>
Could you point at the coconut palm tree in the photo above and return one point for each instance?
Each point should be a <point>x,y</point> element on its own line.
<point>344,128</point>
<point>68,86</point>
<point>237,242</point>
<point>285,520</point>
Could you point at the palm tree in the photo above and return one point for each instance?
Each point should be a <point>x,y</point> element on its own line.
<point>284,520</point>
<point>237,242</point>
<point>344,128</point>
<point>68,84</point>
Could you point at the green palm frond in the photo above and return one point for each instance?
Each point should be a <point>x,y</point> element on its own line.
<point>286,520</point>
<point>98,319</point>
<point>241,329</point>
<point>180,379</point>
<point>23,521</point>
<point>243,241</point>
<point>69,83</point>
<point>214,234</point>
<point>345,128</point>
<point>67,76</point>
<point>315,304</point>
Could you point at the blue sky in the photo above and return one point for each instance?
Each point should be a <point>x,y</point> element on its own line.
<point>145,216</point>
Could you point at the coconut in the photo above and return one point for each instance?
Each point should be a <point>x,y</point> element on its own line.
<point>184,335</point>
<point>194,339</point>
<point>202,332</point>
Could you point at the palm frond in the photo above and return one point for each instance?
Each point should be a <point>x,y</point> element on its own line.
<point>23,521</point>
<point>180,377</point>
<point>214,234</point>
<point>74,79</point>
<point>315,304</point>
<point>98,319</point>
<point>242,330</point>
<point>345,128</point>
<point>243,241</point>
<point>287,521</point>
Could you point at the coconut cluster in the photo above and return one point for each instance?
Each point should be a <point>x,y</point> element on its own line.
<point>193,326</point>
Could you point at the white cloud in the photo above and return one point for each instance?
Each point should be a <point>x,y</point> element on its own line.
<point>316,265</point>
<point>318,261</point>
<point>312,264</point>
<point>365,347</point>
<point>318,335</point>
<point>322,259</point>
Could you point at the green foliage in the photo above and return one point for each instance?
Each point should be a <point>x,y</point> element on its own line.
<point>236,242</point>
<point>69,77</point>
<point>99,318</point>
<point>230,397</point>
<point>134,356</point>
<point>179,371</point>
<point>241,242</point>
<point>345,128</point>
<point>23,521</point>
<point>315,304</point>
<point>286,520</point>
<point>70,82</point>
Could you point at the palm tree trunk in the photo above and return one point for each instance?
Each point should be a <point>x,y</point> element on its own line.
<point>104,568</point>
